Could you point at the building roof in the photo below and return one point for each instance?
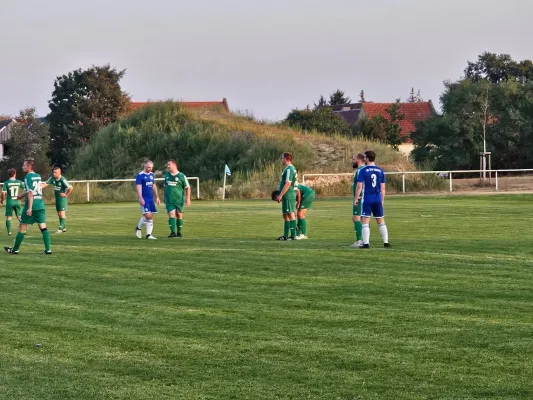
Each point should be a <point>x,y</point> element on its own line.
<point>350,116</point>
<point>413,112</point>
<point>346,107</point>
<point>5,122</point>
<point>135,105</point>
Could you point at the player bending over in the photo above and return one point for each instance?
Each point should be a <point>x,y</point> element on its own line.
<point>287,197</point>
<point>146,192</point>
<point>63,189</point>
<point>10,192</point>
<point>177,194</point>
<point>34,211</point>
<point>370,192</point>
<point>304,201</point>
<point>358,163</point>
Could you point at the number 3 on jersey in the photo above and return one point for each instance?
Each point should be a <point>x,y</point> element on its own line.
<point>374,180</point>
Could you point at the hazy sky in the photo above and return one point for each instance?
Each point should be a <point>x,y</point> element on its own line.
<point>264,56</point>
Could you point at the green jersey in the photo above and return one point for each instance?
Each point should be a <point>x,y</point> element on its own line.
<point>32,183</point>
<point>289,174</point>
<point>305,191</point>
<point>175,186</point>
<point>355,176</point>
<point>12,187</point>
<point>61,185</point>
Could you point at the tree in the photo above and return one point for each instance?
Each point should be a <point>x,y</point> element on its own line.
<point>386,129</point>
<point>394,130</point>
<point>419,98</point>
<point>320,120</point>
<point>412,96</point>
<point>497,68</point>
<point>29,138</point>
<point>338,98</point>
<point>362,97</point>
<point>322,102</point>
<point>83,101</point>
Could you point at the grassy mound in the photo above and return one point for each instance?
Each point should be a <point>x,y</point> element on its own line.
<point>203,141</point>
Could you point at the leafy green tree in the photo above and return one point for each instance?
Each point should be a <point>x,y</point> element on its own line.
<point>319,119</point>
<point>322,102</point>
<point>497,68</point>
<point>394,130</point>
<point>362,98</point>
<point>29,139</point>
<point>83,101</point>
<point>338,98</point>
<point>412,97</point>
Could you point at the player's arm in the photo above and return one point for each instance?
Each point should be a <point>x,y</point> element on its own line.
<point>45,184</point>
<point>383,193</point>
<point>358,191</point>
<point>298,197</point>
<point>156,193</point>
<point>187,191</point>
<point>29,202</point>
<point>140,194</point>
<point>69,188</point>
<point>286,186</point>
<point>3,197</point>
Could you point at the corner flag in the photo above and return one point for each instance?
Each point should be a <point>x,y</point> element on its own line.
<point>226,170</point>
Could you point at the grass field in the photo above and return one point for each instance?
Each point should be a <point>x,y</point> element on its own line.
<point>229,313</point>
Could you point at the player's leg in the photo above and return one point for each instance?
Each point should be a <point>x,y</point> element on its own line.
<point>286,226</point>
<point>62,221</point>
<point>357,224</point>
<point>149,223</point>
<point>383,231</point>
<point>366,213</point>
<point>179,216</point>
<point>291,203</point>
<point>9,214</point>
<point>20,235</point>
<point>46,234</point>
<point>171,210</point>
<point>302,223</point>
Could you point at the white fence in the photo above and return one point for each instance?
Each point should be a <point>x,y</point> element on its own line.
<point>448,175</point>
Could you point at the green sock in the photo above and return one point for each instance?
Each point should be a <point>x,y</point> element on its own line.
<point>286,228</point>
<point>299,227</point>
<point>8,225</point>
<point>358,230</point>
<point>62,224</point>
<point>303,224</point>
<point>293,228</point>
<point>180,225</point>
<point>46,239</point>
<point>172,224</point>
<point>18,241</point>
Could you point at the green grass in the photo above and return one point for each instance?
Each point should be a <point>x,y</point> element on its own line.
<point>228,313</point>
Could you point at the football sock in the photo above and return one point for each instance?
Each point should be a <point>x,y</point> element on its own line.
<point>8,225</point>
<point>293,228</point>
<point>358,230</point>
<point>142,221</point>
<point>180,225</point>
<point>299,227</point>
<point>286,228</point>
<point>384,232</point>
<point>62,224</point>
<point>149,226</point>
<point>46,239</point>
<point>18,241</point>
<point>303,226</point>
<point>366,234</point>
<point>172,224</point>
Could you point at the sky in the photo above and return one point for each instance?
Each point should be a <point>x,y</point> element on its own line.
<point>265,57</point>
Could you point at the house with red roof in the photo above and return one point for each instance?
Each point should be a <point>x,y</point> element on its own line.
<point>135,105</point>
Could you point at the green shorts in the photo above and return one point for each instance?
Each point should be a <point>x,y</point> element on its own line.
<point>288,205</point>
<point>13,209</point>
<point>357,209</point>
<point>174,207</point>
<point>61,204</point>
<point>37,217</point>
<point>307,202</point>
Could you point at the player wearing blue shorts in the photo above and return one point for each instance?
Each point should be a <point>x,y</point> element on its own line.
<point>370,192</point>
<point>148,199</point>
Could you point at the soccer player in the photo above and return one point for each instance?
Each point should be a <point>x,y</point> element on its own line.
<point>62,189</point>
<point>34,210</point>
<point>304,201</point>
<point>146,192</point>
<point>358,163</point>
<point>287,197</point>
<point>177,194</point>
<point>10,192</point>
<point>370,192</point>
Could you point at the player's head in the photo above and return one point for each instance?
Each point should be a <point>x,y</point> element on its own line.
<point>56,172</point>
<point>11,173</point>
<point>148,166</point>
<point>172,166</point>
<point>286,158</point>
<point>28,165</point>
<point>370,156</point>
<point>275,195</point>
<point>358,160</point>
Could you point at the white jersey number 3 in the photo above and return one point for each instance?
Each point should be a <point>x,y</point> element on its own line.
<point>374,180</point>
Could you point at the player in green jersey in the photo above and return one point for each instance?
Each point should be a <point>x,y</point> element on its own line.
<point>304,201</point>
<point>358,163</point>
<point>62,189</point>
<point>34,211</point>
<point>287,197</point>
<point>10,192</point>
<point>177,195</point>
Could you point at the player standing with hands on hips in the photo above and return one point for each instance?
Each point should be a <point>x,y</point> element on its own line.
<point>370,192</point>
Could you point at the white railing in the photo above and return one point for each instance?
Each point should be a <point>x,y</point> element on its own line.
<point>88,183</point>
<point>445,174</point>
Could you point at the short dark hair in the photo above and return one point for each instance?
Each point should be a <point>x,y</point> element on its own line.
<point>173,161</point>
<point>287,156</point>
<point>370,155</point>
<point>57,167</point>
<point>30,162</point>
<point>11,172</point>
<point>275,195</point>
<point>360,156</point>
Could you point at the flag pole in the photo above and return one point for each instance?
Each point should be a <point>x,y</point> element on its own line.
<point>224,187</point>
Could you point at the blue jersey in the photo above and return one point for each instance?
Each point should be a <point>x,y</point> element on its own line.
<point>147,182</point>
<point>372,177</point>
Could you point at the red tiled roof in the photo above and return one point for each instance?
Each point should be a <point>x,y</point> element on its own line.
<point>413,112</point>
<point>135,105</point>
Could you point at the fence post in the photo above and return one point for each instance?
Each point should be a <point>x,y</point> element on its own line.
<point>403,182</point>
<point>496,176</point>
<point>197,189</point>
<point>303,179</point>
<point>87,193</point>
<point>451,184</point>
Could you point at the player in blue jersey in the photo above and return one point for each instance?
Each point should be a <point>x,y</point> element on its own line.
<point>370,192</point>
<point>147,192</point>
